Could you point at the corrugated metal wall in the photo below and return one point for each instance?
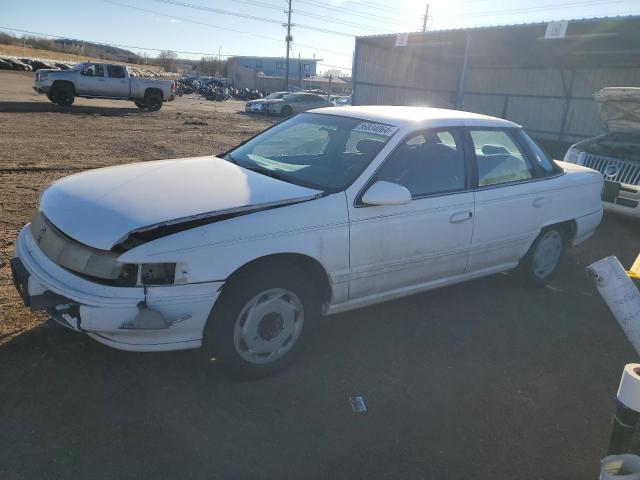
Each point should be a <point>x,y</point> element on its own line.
<point>551,102</point>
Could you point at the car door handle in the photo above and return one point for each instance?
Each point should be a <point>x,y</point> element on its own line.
<point>540,202</point>
<point>460,217</point>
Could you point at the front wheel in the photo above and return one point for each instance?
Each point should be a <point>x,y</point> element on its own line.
<point>538,267</point>
<point>64,96</point>
<point>287,111</point>
<point>262,320</point>
<point>139,104</point>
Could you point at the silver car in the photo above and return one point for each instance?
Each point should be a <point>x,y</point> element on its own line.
<point>295,103</point>
<point>255,106</point>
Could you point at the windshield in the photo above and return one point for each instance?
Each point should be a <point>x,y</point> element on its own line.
<point>326,152</point>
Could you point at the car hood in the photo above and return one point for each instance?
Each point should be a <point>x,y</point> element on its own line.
<point>100,208</point>
<point>254,102</point>
<point>274,100</point>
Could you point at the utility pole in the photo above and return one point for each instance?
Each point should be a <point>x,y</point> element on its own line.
<point>426,15</point>
<point>288,39</point>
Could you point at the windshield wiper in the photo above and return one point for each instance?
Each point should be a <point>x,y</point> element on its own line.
<point>229,158</point>
<point>267,172</point>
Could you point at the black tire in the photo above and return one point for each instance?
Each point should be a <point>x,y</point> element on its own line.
<point>532,270</point>
<point>64,95</point>
<point>50,97</point>
<point>139,104</point>
<point>153,101</point>
<point>222,338</point>
<point>287,111</point>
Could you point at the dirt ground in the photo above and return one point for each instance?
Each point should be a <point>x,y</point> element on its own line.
<point>482,380</point>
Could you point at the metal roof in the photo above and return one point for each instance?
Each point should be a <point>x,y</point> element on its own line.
<point>592,42</point>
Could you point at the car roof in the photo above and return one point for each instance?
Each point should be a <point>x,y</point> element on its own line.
<point>417,117</point>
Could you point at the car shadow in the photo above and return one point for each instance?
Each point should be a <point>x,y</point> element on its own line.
<point>41,107</point>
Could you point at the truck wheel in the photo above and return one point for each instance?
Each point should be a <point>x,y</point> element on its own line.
<point>287,111</point>
<point>538,267</point>
<point>64,96</point>
<point>153,101</point>
<point>50,97</point>
<point>262,320</point>
<point>139,104</point>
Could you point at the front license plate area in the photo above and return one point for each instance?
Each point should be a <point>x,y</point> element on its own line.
<point>611,191</point>
<point>20,277</point>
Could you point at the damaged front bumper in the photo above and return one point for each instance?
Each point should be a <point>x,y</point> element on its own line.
<point>170,317</point>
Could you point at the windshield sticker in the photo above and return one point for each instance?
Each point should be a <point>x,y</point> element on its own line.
<point>376,128</point>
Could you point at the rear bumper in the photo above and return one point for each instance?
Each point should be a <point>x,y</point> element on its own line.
<point>165,318</point>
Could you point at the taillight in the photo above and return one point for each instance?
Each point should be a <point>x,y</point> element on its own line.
<point>173,87</point>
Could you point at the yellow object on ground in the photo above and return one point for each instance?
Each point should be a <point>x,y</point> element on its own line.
<point>634,271</point>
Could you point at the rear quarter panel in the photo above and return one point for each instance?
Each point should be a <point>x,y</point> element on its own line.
<point>575,195</point>
<point>139,86</point>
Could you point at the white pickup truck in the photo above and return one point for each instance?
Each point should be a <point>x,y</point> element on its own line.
<point>103,80</point>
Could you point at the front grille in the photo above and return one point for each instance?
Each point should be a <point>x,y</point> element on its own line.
<point>614,169</point>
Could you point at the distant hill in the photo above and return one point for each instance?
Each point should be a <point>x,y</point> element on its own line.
<point>75,47</point>
<point>104,51</point>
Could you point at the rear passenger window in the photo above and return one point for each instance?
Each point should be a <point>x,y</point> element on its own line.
<point>115,71</point>
<point>500,160</point>
<point>539,154</point>
<point>427,163</point>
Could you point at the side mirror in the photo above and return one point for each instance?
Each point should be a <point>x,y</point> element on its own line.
<point>386,193</point>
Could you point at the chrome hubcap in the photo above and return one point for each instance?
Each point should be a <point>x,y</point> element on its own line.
<point>547,254</point>
<point>268,326</point>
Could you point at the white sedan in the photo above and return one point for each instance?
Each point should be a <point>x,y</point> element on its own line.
<point>331,210</point>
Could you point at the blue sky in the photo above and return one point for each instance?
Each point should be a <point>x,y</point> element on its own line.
<point>162,24</point>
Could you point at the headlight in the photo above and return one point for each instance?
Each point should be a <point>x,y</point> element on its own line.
<point>157,273</point>
<point>572,156</point>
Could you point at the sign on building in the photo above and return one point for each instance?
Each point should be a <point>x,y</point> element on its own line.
<point>556,29</point>
<point>401,39</point>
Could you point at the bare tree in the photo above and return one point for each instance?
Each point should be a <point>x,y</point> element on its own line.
<point>212,66</point>
<point>334,72</point>
<point>167,60</point>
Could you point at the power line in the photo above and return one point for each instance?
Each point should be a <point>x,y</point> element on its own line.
<point>113,44</point>
<point>252,17</point>
<point>209,25</point>
<point>138,47</point>
<point>305,13</point>
<point>351,11</point>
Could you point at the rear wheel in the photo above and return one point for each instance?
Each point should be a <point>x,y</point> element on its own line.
<point>262,320</point>
<point>63,95</point>
<point>538,267</point>
<point>153,101</point>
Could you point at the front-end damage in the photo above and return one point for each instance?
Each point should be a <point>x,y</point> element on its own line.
<point>137,318</point>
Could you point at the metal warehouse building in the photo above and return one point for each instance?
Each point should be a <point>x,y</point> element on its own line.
<point>541,75</point>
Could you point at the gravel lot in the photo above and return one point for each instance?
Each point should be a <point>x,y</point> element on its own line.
<point>482,380</point>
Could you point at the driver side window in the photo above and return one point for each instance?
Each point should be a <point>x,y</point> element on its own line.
<point>427,163</point>
<point>93,70</point>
